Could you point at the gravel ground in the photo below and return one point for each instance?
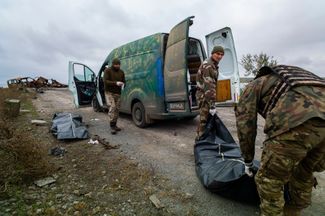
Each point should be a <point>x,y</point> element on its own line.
<point>166,149</point>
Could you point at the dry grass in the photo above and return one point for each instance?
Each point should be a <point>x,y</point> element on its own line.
<point>22,156</point>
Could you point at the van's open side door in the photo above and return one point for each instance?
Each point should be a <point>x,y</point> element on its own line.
<point>175,66</point>
<point>228,66</point>
<point>82,83</point>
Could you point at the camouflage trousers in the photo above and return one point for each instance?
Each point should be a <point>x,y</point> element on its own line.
<point>113,102</point>
<point>290,159</point>
<point>204,113</point>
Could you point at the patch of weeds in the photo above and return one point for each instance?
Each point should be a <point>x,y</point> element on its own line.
<point>23,157</point>
<point>20,205</point>
<point>28,105</point>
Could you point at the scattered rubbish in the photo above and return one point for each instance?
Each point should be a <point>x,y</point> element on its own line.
<point>24,111</point>
<point>38,122</point>
<point>182,145</point>
<point>67,126</point>
<point>188,196</point>
<point>57,151</point>
<point>77,192</point>
<point>40,90</point>
<point>175,133</point>
<point>93,142</point>
<point>89,195</point>
<point>44,181</point>
<point>153,198</point>
<point>103,142</point>
<point>94,119</point>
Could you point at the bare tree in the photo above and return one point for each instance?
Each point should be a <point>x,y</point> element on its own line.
<point>252,63</point>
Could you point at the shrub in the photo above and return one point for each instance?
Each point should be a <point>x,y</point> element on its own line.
<point>23,157</point>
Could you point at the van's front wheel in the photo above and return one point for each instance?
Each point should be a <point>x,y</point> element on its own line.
<point>139,115</point>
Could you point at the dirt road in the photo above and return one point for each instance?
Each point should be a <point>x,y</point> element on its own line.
<point>167,148</point>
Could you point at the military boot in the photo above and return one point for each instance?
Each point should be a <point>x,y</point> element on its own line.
<point>291,211</point>
<point>115,127</point>
<point>113,130</point>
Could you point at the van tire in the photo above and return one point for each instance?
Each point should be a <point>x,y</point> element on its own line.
<point>139,115</point>
<point>95,104</point>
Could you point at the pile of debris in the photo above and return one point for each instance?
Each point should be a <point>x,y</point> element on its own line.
<point>37,83</point>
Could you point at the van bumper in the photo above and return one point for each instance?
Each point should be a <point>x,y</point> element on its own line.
<point>180,115</point>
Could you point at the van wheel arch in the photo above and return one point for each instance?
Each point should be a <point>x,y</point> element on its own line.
<point>139,115</point>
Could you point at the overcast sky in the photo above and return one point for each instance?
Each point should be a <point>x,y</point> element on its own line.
<point>39,37</point>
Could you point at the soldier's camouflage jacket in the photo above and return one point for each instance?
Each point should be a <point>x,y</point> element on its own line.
<point>292,109</point>
<point>206,81</point>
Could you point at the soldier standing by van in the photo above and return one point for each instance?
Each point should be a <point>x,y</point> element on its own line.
<point>292,102</point>
<point>114,81</point>
<point>206,80</point>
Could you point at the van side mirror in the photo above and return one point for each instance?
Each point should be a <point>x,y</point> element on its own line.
<point>224,34</point>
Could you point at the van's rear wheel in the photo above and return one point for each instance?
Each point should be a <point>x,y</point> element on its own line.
<point>139,115</point>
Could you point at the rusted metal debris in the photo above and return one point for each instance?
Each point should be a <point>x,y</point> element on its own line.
<point>37,83</point>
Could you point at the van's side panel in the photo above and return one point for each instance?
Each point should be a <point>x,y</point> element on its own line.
<point>142,61</point>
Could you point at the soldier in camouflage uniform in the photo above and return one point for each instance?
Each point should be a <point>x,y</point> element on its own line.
<point>206,80</point>
<point>292,101</point>
<point>114,81</point>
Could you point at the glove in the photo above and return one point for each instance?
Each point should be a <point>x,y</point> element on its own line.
<point>213,110</point>
<point>249,169</point>
<point>118,83</point>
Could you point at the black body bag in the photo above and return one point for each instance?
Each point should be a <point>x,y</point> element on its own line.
<point>219,164</point>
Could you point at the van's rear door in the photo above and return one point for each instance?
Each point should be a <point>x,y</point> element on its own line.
<point>82,83</point>
<point>228,67</point>
<point>175,66</point>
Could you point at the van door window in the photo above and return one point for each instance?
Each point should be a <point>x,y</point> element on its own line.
<point>83,73</point>
<point>79,72</point>
<point>89,75</point>
<point>85,83</point>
